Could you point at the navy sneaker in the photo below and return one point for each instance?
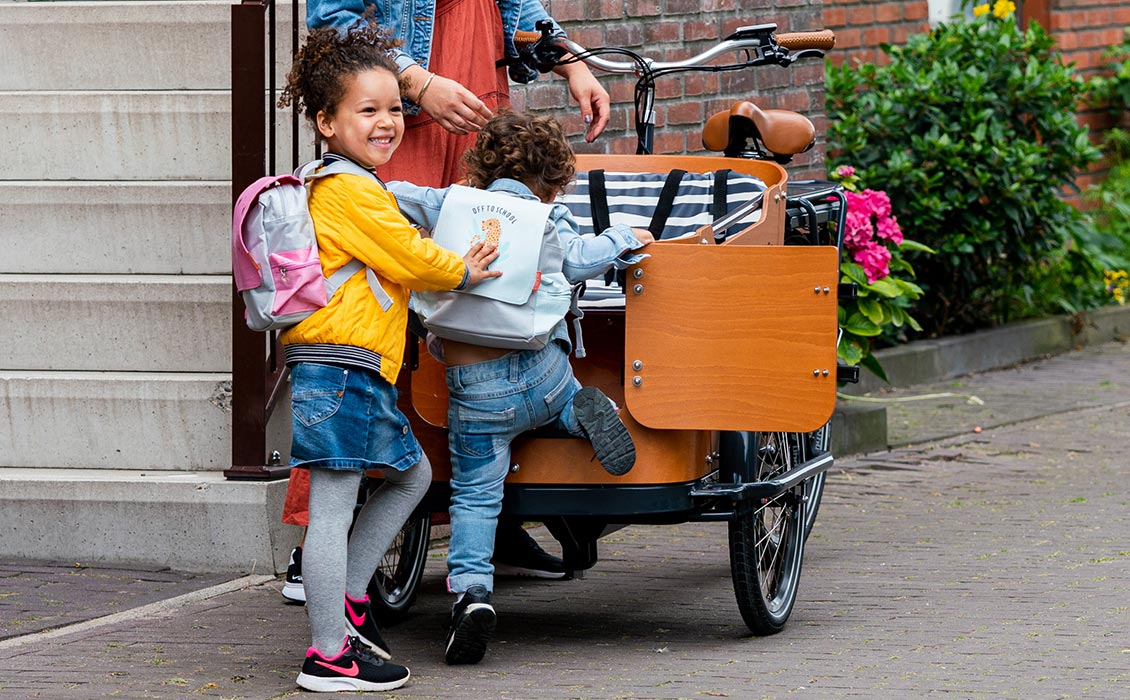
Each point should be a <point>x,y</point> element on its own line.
<point>360,623</point>
<point>355,668</point>
<point>472,625</point>
<point>611,441</point>
<point>292,589</point>
<point>518,554</point>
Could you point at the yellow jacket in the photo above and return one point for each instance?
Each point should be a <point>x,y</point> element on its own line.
<point>354,217</point>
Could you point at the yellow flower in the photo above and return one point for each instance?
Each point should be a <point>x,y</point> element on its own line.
<point>1003,8</point>
<point>981,10</point>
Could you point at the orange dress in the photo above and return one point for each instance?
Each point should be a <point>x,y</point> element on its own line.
<point>430,155</point>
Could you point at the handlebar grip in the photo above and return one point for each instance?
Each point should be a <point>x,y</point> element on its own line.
<point>525,38</point>
<point>822,40</point>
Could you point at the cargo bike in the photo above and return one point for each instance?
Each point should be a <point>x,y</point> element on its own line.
<point>720,348</point>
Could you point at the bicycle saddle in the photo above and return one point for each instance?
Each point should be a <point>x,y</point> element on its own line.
<point>781,132</point>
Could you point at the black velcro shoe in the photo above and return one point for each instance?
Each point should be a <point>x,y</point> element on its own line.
<point>472,625</point>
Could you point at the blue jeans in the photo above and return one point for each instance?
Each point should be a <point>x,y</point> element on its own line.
<point>491,404</point>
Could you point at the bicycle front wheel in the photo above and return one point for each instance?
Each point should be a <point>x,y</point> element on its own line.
<point>767,541</point>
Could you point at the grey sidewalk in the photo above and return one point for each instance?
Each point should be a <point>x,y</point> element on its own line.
<point>961,564</point>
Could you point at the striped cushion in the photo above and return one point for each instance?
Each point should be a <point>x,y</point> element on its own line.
<point>632,198</point>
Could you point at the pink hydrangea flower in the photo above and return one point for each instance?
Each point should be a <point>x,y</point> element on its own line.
<point>888,229</point>
<point>868,225</point>
<point>874,260</point>
<point>845,171</point>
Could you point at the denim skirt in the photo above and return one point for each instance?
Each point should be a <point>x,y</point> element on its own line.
<point>346,418</point>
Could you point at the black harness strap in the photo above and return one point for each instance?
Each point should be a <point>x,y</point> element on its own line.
<point>598,202</point>
<point>666,203</point>
<point>721,194</point>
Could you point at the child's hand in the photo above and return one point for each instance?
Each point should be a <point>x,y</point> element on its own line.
<point>643,235</point>
<point>477,259</point>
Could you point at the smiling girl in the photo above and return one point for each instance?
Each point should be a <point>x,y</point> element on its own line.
<point>344,359</point>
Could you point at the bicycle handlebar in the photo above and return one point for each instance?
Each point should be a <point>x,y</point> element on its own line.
<point>545,50</point>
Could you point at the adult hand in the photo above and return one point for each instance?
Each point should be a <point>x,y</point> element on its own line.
<point>453,106</point>
<point>477,259</point>
<point>589,94</point>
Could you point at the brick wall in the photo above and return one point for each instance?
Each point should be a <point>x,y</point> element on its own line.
<point>674,29</point>
<point>1083,30</point>
<point>862,26</point>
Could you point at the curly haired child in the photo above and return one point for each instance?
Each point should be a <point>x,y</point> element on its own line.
<point>497,394</point>
<point>344,358</point>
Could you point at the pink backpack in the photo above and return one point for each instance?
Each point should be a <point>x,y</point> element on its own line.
<point>275,261</point>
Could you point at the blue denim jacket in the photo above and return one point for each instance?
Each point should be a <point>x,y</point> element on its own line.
<point>585,257</point>
<point>411,21</point>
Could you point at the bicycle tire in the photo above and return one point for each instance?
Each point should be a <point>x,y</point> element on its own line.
<point>396,582</point>
<point>767,543</point>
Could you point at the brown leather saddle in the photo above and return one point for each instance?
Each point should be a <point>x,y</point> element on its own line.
<point>746,129</point>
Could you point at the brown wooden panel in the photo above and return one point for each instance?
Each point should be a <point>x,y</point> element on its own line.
<point>732,337</point>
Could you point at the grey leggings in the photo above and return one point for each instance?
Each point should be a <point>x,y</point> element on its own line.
<point>333,561</point>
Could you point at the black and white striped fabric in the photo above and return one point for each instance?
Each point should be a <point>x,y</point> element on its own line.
<point>632,199</point>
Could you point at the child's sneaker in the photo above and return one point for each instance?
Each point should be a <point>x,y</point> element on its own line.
<point>355,668</point>
<point>292,586</point>
<point>610,440</point>
<point>472,625</point>
<point>360,623</point>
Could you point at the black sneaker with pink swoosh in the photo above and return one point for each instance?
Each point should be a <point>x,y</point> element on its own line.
<point>359,622</point>
<point>355,668</point>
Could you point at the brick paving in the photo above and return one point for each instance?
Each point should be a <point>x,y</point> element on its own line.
<point>959,565</point>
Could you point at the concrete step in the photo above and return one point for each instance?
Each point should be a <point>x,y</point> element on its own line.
<point>124,135</point>
<point>188,521</point>
<point>161,228</point>
<point>124,45</point>
<point>115,420</point>
<point>140,323</point>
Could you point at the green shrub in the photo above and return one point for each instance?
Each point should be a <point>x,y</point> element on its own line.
<point>971,131</point>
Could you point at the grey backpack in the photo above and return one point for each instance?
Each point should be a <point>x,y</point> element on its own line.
<point>518,310</point>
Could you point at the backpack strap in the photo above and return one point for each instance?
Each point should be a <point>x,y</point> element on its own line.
<point>721,194</point>
<point>578,314</point>
<point>666,202</point>
<point>310,171</point>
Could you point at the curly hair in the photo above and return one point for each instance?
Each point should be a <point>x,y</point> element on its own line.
<point>319,78</point>
<point>530,149</point>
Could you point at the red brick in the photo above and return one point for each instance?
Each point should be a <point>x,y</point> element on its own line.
<point>888,12</point>
<point>697,31</point>
<point>858,16</point>
<point>849,38</point>
<point>685,113</point>
<point>623,35</point>
<point>917,11</point>
<point>682,7</point>
<point>875,36</point>
<point>639,9</point>
<point>834,17</point>
<point>670,141</point>
<point>656,32</point>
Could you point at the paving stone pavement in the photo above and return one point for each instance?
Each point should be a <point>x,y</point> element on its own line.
<point>962,564</point>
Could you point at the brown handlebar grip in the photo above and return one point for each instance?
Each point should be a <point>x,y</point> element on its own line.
<point>823,40</point>
<point>525,38</point>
